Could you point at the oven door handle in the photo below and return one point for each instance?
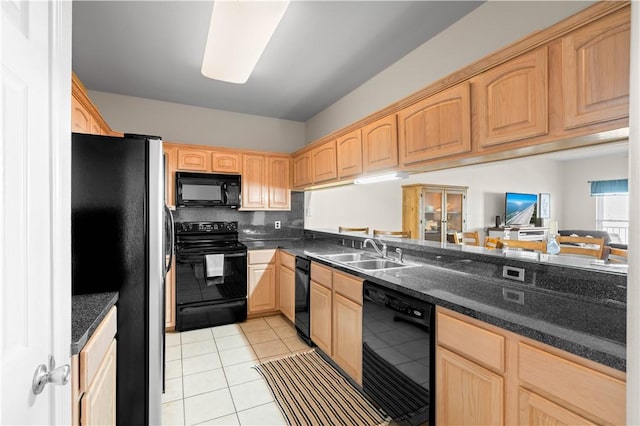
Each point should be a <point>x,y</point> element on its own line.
<point>184,255</point>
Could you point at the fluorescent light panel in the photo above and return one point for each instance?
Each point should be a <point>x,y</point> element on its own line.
<point>238,34</point>
<point>381,178</point>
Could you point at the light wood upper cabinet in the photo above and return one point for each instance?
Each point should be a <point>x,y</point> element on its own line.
<point>278,183</point>
<point>437,126</point>
<point>380,144</point>
<point>511,100</point>
<point>254,182</point>
<point>596,71</point>
<point>171,162</point>
<point>302,175</point>
<point>323,160</point>
<point>80,118</point>
<point>194,160</point>
<point>226,162</point>
<point>349,154</point>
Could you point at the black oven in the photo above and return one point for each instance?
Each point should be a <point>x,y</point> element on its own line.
<point>207,190</point>
<point>211,275</point>
<point>398,371</point>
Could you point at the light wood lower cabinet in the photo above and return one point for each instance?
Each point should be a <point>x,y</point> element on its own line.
<point>261,276</point>
<point>93,376</point>
<point>467,394</point>
<point>336,317</point>
<point>287,284</point>
<point>320,308</point>
<point>487,375</point>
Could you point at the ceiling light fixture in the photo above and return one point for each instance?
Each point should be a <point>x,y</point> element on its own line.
<point>381,178</point>
<point>238,34</point>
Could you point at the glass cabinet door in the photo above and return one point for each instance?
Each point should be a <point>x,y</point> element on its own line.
<point>455,219</point>
<point>432,215</point>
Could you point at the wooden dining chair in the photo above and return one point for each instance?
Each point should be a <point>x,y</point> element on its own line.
<point>467,238</point>
<point>492,243</point>
<point>616,255</point>
<point>348,229</point>
<point>399,234</point>
<point>582,246</point>
<point>540,246</point>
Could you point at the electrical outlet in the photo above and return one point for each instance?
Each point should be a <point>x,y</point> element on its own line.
<point>277,224</point>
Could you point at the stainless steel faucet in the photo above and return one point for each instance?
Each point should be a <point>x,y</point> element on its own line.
<point>400,255</point>
<point>382,252</point>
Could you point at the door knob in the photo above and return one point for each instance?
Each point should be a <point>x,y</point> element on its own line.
<point>43,375</point>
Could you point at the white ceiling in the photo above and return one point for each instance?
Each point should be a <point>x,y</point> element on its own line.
<point>321,51</point>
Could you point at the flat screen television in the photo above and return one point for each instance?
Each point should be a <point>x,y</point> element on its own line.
<point>520,209</point>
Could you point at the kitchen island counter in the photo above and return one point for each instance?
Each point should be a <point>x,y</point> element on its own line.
<point>547,307</point>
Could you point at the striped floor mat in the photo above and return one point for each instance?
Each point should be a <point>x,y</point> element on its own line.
<point>311,392</point>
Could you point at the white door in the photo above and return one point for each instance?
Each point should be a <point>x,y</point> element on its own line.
<point>35,259</point>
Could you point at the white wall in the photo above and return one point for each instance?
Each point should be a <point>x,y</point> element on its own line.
<point>579,208</point>
<point>380,205</point>
<point>486,29</point>
<point>203,126</point>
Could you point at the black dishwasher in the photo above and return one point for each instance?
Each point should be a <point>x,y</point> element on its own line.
<point>302,299</point>
<point>398,373</point>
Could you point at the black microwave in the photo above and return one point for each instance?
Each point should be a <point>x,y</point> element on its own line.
<point>207,190</point>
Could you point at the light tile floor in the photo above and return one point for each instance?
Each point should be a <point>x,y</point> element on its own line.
<point>209,374</point>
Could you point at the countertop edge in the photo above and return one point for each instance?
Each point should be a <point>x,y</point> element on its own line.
<point>87,311</point>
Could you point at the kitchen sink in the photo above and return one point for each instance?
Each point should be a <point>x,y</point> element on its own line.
<point>377,264</point>
<point>349,257</point>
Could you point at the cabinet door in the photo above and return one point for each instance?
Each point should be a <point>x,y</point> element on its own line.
<point>323,160</point>
<point>466,394</point>
<point>380,144</point>
<point>535,410</point>
<point>511,100</point>
<point>287,293</point>
<point>433,210</point>
<point>98,404</point>
<point>80,118</point>
<point>347,336</point>
<point>320,308</point>
<point>279,191</point>
<point>455,202</point>
<point>226,162</point>
<point>194,160</point>
<point>302,170</point>
<point>95,127</point>
<point>349,153</point>
<point>595,77</point>
<point>171,162</point>
<point>436,127</point>
<point>262,288</point>
<point>254,182</point>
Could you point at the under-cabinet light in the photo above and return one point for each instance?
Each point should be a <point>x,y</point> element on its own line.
<point>381,178</point>
<point>238,34</point>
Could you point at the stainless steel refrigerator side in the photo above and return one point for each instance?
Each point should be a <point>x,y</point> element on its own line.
<point>156,279</point>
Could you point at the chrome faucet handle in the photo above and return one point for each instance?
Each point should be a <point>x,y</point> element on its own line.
<point>400,255</point>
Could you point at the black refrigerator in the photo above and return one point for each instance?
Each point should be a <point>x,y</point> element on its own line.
<point>118,244</point>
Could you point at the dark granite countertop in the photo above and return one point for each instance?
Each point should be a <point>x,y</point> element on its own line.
<point>87,311</point>
<point>589,322</point>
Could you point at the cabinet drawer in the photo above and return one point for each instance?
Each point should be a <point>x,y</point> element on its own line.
<point>321,274</point>
<point>471,341</point>
<point>587,389</point>
<point>96,348</point>
<point>287,260</point>
<point>348,286</point>
<point>261,256</point>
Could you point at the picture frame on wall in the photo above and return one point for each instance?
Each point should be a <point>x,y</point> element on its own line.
<point>544,206</point>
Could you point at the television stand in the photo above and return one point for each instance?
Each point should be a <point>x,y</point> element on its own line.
<point>529,233</point>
